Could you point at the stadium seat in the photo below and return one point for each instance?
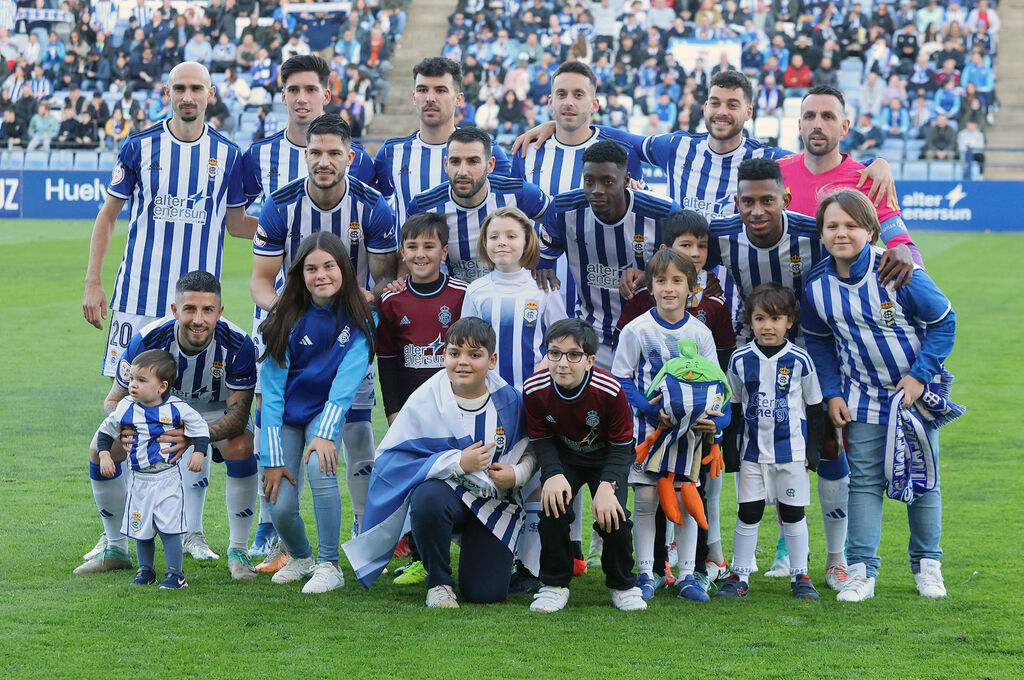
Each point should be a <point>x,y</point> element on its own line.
<point>915,170</point>
<point>892,149</point>
<point>914,147</point>
<point>976,173</point>
<point>107,160</point>
<point>5,161</point>
<point>86,160</point>
<point>943,171</point>
<point>789,134</point>
<point>897,169</point>
<point>62,160</point>
<point>37,160</point>
<point>766,127</point>
<point>791,106</point>
<point>16,159</point>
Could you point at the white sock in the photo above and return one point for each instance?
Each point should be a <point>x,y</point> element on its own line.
<point>195,492</point>
<point>240,493</point>
<point>686,546</point>
<point>645,504</point>
<point>834,496</point>
<point>529,540</point>
<point>713,494</point>
<point>576,527</point>
<point>797,543</point>
<point>110,496</point>
<point>357,441</point>
<point>744,543</point>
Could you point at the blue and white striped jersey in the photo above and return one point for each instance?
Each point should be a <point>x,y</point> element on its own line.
<point>786,262</point>
<point>464,223</point>
<point>865,338</point>
<point>598,253</point>
<point>406,167</point>
<point>205,379</point>
<point>362,219</point>
<point>645,344</point>
<point>180,193</point>
<point>520,313</point>
<point>773,393</point>
<point>150,422</point>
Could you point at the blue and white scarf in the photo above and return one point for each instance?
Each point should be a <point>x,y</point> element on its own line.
<point>426,438</point>
<point>911,465</point>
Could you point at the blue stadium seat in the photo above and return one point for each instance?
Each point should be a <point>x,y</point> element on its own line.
<point>62,160</point>
<point>107,160</point>
<point>914,147</point>
<point>16,159</point>
<point>37,160</point>
<point>976,173</point>
<point>915,170</point>
<point>86,160</point>
<point>944,171</point>
<point>892,149</point>
<point>897,169</point>
<point>5,161</point>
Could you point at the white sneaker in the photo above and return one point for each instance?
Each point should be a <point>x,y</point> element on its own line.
<point>780,568</point>
<point>929,579</point>
<point>628,600</point>
<point>442,597</point>
<point>835,576</point>
<point>97,549</point>
<point>296,569</point>
<point>195,545</point>
<point>553,598</point>
<point>326,577</point>
<point>858,586</point>
<point>715,571</point>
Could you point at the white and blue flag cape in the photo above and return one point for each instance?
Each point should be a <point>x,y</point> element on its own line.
<point>424,442</point>
<point>911,465</point>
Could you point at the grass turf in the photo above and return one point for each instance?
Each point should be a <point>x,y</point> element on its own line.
<point>57,625</point>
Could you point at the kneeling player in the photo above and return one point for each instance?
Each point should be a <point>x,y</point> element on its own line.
<point>582,431</point>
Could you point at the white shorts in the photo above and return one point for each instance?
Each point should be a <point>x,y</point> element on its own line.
<point>786,483</point>
<point>156,502</point>
<point>366,397</point>
<point>122,327</point>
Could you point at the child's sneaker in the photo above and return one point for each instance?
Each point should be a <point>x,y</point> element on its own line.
<point>97,549</point>
<point>296,569</point>
<point>594,554</point>
<point>550,599</point>
<point>835,576</point>
<point>733,587</point>
<point>173,581</point>
<point>780,566</point>
<point>239,564</point>
<point>647,586</point>
<point>690,590</point>
<point>803,589</point>
<point>858,587</point>
<point>277,557</point>
<point>144,577</point>
<point>264,540</point>
<point>670,579</point>
<point>929,579</point>
<point>442,597</point>
<point>413,573</point>
<point>522,581</point>
<point>326,577</point>
<point>628,600</point>
<point>195,545</point>
<point>579,563</point>
<point>703,581</point>
<point>716,571</point>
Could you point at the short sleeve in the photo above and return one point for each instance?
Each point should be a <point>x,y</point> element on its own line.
<point>195,425</point>
<point>380,233</point>
<point>657,149</point>
<point>735,384</point>
<point>124,366</point>
<point>362,167</point>
<point>383,181</point>
<point>502,165</point>
<point>534,201</point>
<point>241,374</point>
<point>552,235</point>
<point>271,231</point>
<point>252,178</point>
<point>125,174</point>
<point>537,425</point>
<point>236,194</point>
<point>809,385</point>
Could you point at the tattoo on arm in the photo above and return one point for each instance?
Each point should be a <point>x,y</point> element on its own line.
<point>233,422</point>
<point>383,269</point>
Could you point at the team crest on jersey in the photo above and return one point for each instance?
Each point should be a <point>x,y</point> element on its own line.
<point>344,336</point>
<point>702,316</point>
<point>124,369</point>
<point>354,232</point>
<point>794,264</point>
<point>531,313</point>
<point>638,243</point>
<point>888,313</point>
<point>783,377</point>
<point>136,523</point>
<point>259,239</point>
<point>593,420</point>
<point>217,370</point>
<point>499,438</point>
<point>211,169</point>
<point>444,315</point>
<point>118,174</point>
<point>166,420</point>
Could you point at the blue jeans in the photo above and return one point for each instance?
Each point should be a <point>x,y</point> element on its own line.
<point>866,454</point>
<point>326,499</point>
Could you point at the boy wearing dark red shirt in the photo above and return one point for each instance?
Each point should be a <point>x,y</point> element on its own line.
<point>581,429</point>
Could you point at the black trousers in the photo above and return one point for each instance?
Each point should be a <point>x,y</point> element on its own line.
<point>556,548</point>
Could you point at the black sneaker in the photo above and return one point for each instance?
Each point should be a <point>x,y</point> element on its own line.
<point>523,581</point>
<point>173,581</point>
<point>144,577</point>
<point>733,587</point>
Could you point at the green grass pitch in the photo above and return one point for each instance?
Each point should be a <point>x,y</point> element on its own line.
<point>56,625</point>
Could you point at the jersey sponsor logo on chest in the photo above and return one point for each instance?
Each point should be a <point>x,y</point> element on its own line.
<point>603,276</point>
<point>425,356</point>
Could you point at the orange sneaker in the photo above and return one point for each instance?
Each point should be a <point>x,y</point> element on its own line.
<point>579,567</point>
<point>276,558</point>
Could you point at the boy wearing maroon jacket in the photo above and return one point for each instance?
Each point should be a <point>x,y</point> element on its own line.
<point>581,429</point>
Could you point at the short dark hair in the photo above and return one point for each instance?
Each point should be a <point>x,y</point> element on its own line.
<point>606,152</point>
<point>828,91</point>
<point>433,67</point>
<point>163,364</point>
<point>471,133</point>
<point>472,331</point>
<point>773,298</point>
<point>579,68</point>
<point>330,124</point>
<point>577,329</point>
<point>665,258</point>
<point>760,168</point>
<point>302,63</point>
<point>732,80</point>
<point>422,225</point>
<point>683,223</point>
<point>198,281</point>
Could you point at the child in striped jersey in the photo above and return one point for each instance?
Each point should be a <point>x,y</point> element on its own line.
<point>156,495</point>
<point>520,311</point>
<point>645,344</point>
<point>870,342</point>
<point>777,402</point>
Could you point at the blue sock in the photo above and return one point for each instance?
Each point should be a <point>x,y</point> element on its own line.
<point>172,552</point>
<point>145,548</point>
